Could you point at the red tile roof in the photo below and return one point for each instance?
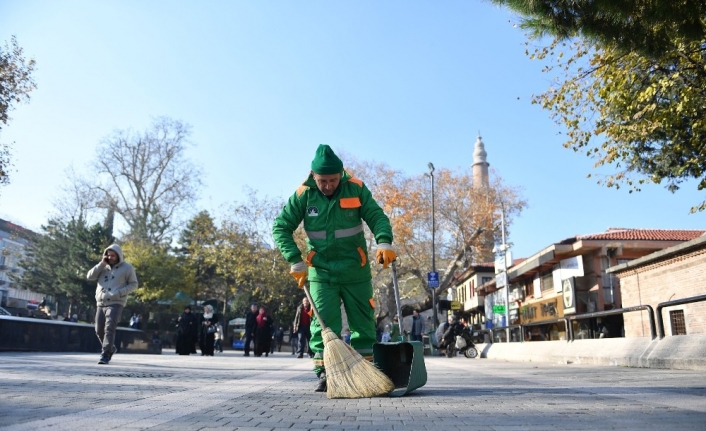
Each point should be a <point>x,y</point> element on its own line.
<point>628,234</point>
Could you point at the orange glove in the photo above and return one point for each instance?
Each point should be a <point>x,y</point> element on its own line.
<point>385,254</point>
<point>300,272</point>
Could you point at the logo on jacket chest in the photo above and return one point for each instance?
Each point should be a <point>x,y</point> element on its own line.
<point>312,211</point>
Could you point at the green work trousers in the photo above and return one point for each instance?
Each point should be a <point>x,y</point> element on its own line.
<point>360,309</point>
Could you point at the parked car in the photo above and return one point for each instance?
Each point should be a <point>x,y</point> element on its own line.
<point>4,312</point>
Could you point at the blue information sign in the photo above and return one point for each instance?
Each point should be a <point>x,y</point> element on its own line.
<point>433,279</point>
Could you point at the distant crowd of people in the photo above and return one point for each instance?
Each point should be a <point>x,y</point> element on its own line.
<point>204,330</point>
<point>260,337</point>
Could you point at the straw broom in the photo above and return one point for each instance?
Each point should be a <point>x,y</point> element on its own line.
<point>348,374</point>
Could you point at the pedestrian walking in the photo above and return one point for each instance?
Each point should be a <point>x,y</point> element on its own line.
<point>250,327</point>
<point>418,327</point>
<point>207,330</point>
<point>116,279</point>
<point>279,338</point>
<point>219,336</point>
<point>263,333</point>
<point>187,332</point>
<point>302,327</point>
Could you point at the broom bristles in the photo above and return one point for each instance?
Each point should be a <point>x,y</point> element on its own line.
<point>348,374</point>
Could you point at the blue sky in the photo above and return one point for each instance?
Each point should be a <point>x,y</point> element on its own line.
<point>262,83</point>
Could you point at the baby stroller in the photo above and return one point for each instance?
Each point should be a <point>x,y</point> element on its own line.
<point>464,344</point>
<point>457,339</point>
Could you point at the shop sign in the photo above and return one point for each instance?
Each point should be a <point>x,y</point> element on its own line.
<point>568,294</point>
<point>544,310</point>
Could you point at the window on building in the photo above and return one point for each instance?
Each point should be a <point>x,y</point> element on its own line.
<point>461,294</point>
<point>676,317</point>
<point>609,282</point>
<point>484,280</point>
<point>516,292</point>
<point>547,283</point>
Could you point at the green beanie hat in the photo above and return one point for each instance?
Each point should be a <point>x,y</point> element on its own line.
<point>326,162</point>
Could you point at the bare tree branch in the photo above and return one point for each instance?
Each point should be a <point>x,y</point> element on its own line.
<point>147,178</point>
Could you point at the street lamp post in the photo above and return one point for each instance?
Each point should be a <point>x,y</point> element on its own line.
<point>503,250</point>
<point>433,245</point>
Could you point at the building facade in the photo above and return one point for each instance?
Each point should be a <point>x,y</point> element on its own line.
<point>671,274</point>
<point>471,302</point>
<point>13,240</point>
<point>570,278</point>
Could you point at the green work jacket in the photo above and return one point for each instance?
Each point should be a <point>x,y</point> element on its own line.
<point>336,247</point>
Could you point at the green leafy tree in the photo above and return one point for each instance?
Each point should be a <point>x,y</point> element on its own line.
<point>648,27</point>
<point>196,242</point>
<point>160,272</point>
<point>251,267</point>
<point>643,116</point>
<point>57,261</point>
<point>629,87</point>
<point>16,82</point>
<point>248,266</point>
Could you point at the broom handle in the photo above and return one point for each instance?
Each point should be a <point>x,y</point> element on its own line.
<point>313,307</point>
<point>397,298</point>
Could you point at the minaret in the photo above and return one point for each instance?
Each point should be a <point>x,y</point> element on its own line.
<point>484,252</point>
<point>480,165</point>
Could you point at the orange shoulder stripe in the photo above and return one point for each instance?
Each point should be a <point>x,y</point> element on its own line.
<point>301,189</point>
<point>356,181</point>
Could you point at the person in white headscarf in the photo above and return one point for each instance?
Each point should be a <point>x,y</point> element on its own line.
<point>207,336</point>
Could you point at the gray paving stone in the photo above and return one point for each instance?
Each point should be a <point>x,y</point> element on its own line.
<point>51,391</point>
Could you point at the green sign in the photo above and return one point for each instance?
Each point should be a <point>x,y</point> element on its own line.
<point>499,309</point>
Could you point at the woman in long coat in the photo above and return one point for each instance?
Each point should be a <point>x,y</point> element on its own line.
<point>187,332</point>
<point>207,336</point>
<point>263,333</point>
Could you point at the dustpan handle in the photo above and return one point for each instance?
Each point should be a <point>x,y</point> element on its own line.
<point>396,288</point>
<point>313,307</point>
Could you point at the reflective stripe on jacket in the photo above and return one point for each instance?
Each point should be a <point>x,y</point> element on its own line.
<point>336,247</point>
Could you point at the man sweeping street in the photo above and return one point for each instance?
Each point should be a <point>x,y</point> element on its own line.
<point>333,206</point>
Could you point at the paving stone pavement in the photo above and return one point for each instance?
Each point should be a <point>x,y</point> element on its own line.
<point>70,391</point>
